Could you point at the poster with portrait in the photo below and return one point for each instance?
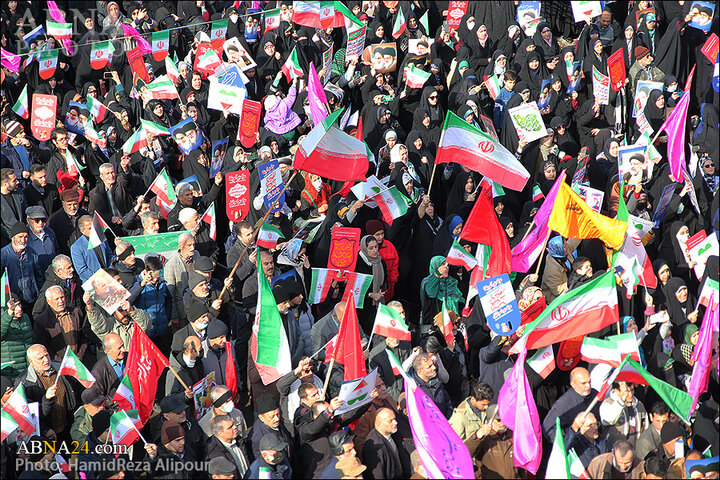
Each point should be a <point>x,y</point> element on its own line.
<point>420,46</point>
<point>633,161</point>
<point>236,53</point>
<point>592,196</point>
<point>271,185</point>
<point>219,147</point>
<point>106,291</point>
<point>528,16</point>
<point>201,395</point>
<point>187,135</point>
<point>544,99</point>
<point>702,15</point>
<point>575,78</point>
<point>528,121</point>
<point>73,120</point>
<point>381,56</point>
<point>642,92</point>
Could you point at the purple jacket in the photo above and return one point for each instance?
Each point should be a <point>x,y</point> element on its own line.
<point>281,119</point>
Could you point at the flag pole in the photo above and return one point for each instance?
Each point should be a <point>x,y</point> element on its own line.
<point>327,377</point>
<point>237,263</point>
<point>153,182</point>
<point>547,237</point>
<point>178,377</point>
<point>61,363</point>
<point>136,429</point>
<point>432,177</point>
<point>321,348</point>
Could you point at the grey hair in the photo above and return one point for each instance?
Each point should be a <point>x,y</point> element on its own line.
<point>105,166</point>
<point>185,214</point>
<point>84,220</point>
<point>183,187</point>
<point>184,237</point>
<point>218,421</point>
<point>395,303</point>
<point>217,392</point>
<point>420,360</point>
<point>122,246</point>
<point>59,262</point>
<point>54,288</point>
<point>146,215</point>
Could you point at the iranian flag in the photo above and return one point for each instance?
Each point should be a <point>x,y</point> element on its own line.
<point>272,21</point>
<point>5,289</point>
<point>447,325</point>
<point>21,106</point>
<point>471,147</point>
<point>460,257</point>
<point>320,284</point>
<point>90,132</point>
<point>400,24</point>
<point>389,323</point>
<point>416,77</point>
<point>61,31</point>
<point>101,54</point>
<point>17,408</point>
<point>71,365</point>
<point>291,67</point>
<point>563,464</point>
<point>97,109</point>
<point>208,62</point>
<point>610,350</point>
<point>73,166</point>
<point>62,464</point>
<point>537,193</point>
<point>636,263</point>
<point>329,348</point>
<point>171,70</point>
<point>162,88</point>
<point>320,13</point>
<point>583,310</point>
<point>160,45</point>
<point>329,152</point>
<point>124,395</point>
<point>153,128</point>
<point>358,284</point>
<point>137,141</point>
<point>395,364</point>
<point>268,236</point>
<point>125,427</point>
<point>392,203</point>
<point>7,425</point>
<point>218,31</point>
<point>543,362</point>
<point>493,85</point>
<point>268,345</point>
<point>209,218</point>
<point>163,188</point>
<point>97,232</point>
<point>709,292</point>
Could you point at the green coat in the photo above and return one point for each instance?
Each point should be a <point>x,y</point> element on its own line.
<point>16,336</point>
<point>465,422</point>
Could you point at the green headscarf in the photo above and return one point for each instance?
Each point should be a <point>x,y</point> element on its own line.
<point>689,330</point>
<point>438,288</point>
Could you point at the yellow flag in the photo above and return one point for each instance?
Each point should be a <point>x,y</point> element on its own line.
<point>571,217</point>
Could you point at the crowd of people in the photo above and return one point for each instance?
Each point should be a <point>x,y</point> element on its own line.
<point>74,201</point>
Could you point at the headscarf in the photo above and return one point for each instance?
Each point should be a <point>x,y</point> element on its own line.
<point>453,222</point>
<point>378,272</point>
<point>654,115</point>
<point>556,247</point>
<point>440,288</point>
<point>686,348</point>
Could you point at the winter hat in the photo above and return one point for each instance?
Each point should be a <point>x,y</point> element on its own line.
<point>171,430</point>
<point>641,52</point>
<point>18,228</point>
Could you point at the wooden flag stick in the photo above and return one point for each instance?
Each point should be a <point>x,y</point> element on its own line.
<point>178,377</point>
<point>327,377</point>
<point>547,237</point>
<point>432,177</point>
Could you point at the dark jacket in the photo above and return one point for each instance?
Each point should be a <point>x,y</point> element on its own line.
<point>381,460</point>
<point>585,450</point>
<point>65,228</point>
<point>8,213</point>
<point>35,392</point>
<point>188,375</point>
<point>106,380</point>
<point>173,472</point>
<point>120,193</point>
<point>73,291</point>
<point>567,407</point>
<point>436,391</point>
<point>49,332</point>
<point>493,364</point>
<point>215,448</point>
<point>199,204</point>
<point>280,472</point>
<point>49,199</point>
<point>259,429</point>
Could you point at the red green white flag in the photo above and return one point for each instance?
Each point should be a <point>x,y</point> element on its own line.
<point>17,408</point>
<point>7,425</point>
<point>71,365</point>
<point>100,54</point>
<point>358,284</point>
<point>460,257</point>
<point>137,141</point>
<point>153,128</point>
<point>61,31</point>
<point>209,218</point>
<point>389,323</point>
<point>162,88</point>
<point>320,284</point>
<point>97,232</point>
<point>268,236</point>
<point>543,362</point>
<point>291,67</point>
<point>395,364</point>
<point>400,24</point>
<point>447,324</point>
<point>272,21</point>
<point>392,203</point>
<point>493,85</point>
<point>537,193</point>
<point>562,463</point>
<point>124,395</point>
<point>160,45</point>
<point>163,188</point>
<point>208,62</point>
<point>610,350</point>
<point>5,291</point>
<point>416,77</point>
<point>97,109</point>
<point>125,427</point>
<point>73,166</point>
<point>171,70</point>
<point>21,106</point>
<point>218,31</point>
<point>709,293</point>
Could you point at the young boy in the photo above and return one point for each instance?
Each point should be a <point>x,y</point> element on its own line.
<point>509,79</point>
<point>155,299</point>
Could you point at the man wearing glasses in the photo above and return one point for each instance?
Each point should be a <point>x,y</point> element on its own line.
<point>42,239</point>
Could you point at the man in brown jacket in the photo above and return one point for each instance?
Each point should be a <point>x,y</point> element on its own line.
<point>60,326</point>
<point>618,464</point>
<point>495,449</point>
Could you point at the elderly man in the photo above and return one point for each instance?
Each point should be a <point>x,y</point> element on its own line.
<point>220,353</point>
<point>228,443</point>
<point>199,319</point>
<point>203,241</point>
<point>174,409</point>
<point>60,273</point>
<point>176,272</point>
<point>132,220</point>
<point>127,264</point>
<point>122,321</point>
<point>201,290</point>
<point>41,239</point>
<point>93,402</point>
<point>250,288</point>
<point>110,368</point>
<point>380,452</point>
<point>620,463</point>
<point>643,69</point>
<point>12,203</point>
<point>223,405</point>
<point>170,459</point>
<point>273,461</point>
<point>186,198</point>
<point>23,268</point>
<point>111,198</point>
<point>60,326</point>
<point>267,409</point>
<point>570,403</point>
<point>585,438</point>
<point>58,400</point>
<point>64,222</point>
<point>188,369</point>
<point>88,261</point>
<point>425,374</point>
<point>39,192</point>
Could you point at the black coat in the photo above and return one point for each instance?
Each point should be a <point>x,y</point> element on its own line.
<point>106,380</point>
<point>381,460</point>
<point>121,196</point>
<point>49,199</point>
<point>65,228</point>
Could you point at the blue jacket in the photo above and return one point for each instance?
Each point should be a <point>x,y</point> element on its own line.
<point>157,302</point>
<point>499,110</point>
<point>24,273</point>
<point>46,249</point>
<point>86,261</point>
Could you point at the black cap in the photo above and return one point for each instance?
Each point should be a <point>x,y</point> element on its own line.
<point>92,397</point>
<point>204,264</point>
<point>195,310</point>
<point>338,439</point>
<point>18,228</point>
<point>172,404</point>
<point>281,293</point>
<point>195,278</point>
<point>221,466</point>
<point>272,441</point>
<point>216,328</point>
<point>266,403</point>
<point>101,422</point>
<point>671,431</point>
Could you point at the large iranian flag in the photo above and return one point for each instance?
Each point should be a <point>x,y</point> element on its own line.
<point>471,147</point>
<point>389,323</point>
<point>125,427</point>
<point>268,345</point>
<point>17,408</point>
<point>71,365</point>
<point>320,13</point>
<point>583,310</point>
<point>563,464</point>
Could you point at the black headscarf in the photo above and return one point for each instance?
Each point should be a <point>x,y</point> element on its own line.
<point>654,115</point>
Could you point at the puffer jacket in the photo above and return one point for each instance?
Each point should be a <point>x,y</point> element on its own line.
<point>157,302</point>
<point>305,321</point>
<point>281,119</point>
<point>16,335</point>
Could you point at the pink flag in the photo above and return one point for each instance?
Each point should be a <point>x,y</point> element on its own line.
<point>674,125</point>
<point>702,356</point>
<point>442,452</point>
<point>10,60</point>
<point>143,44</point>
<point>518,412</point>
<point>531,247</point>
<point>316,96</point>
<point>58,16</point>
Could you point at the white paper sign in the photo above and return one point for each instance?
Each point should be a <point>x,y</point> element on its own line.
<point>586,10</point>
<point>700,253</point>
<point>356,393</point>
<point>528,121</point>
<point>641,225</point>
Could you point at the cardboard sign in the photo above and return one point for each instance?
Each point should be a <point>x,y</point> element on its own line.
<point>237,54</point>
<point>249,123</point>
<point>642,92</point>
<point>356,41</point>
<point>187,135</point>
<point>201,395</point>
<point>569,353</point>
<point>237,192</point>
<point>528,121</point>
<point>601,86</point>
<point>356,393</point>
<point>137,64</point>
<point>616,69</point>
<point>710,48</point>
<point>42,120</point>
<point>592,196</point>
<point>640,16</point>
<point>382,57</point>
<point>528,16</point>
<point>271,185</point>
<point>702,15</point>
<point>225,98</point>
<point>344,248</point>
<point>456,10</point>
<point>497,298</point>
<point>700,251</point>
<point>584,11</point>
<point>219,147</point>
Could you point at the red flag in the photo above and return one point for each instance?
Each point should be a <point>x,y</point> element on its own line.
<point>145,363</point>
<point>482,226</point>
<point>348,351</point>
<point>230,372</point>
<point>359,130</point>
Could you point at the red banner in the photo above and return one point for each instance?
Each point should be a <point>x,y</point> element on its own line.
<point>42,121</point>
<point>455,12</point>
<point>710,49</point>
<point>137,64</point>
<point>237,191</point>
<point>344,248</point>
<point>249,123</point>
<point>616,69</point>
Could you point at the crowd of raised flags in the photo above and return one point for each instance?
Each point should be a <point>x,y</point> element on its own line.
<point>505,212</point>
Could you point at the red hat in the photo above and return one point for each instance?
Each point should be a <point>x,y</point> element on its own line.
<point>641,52</point>
<point>66,181</point>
